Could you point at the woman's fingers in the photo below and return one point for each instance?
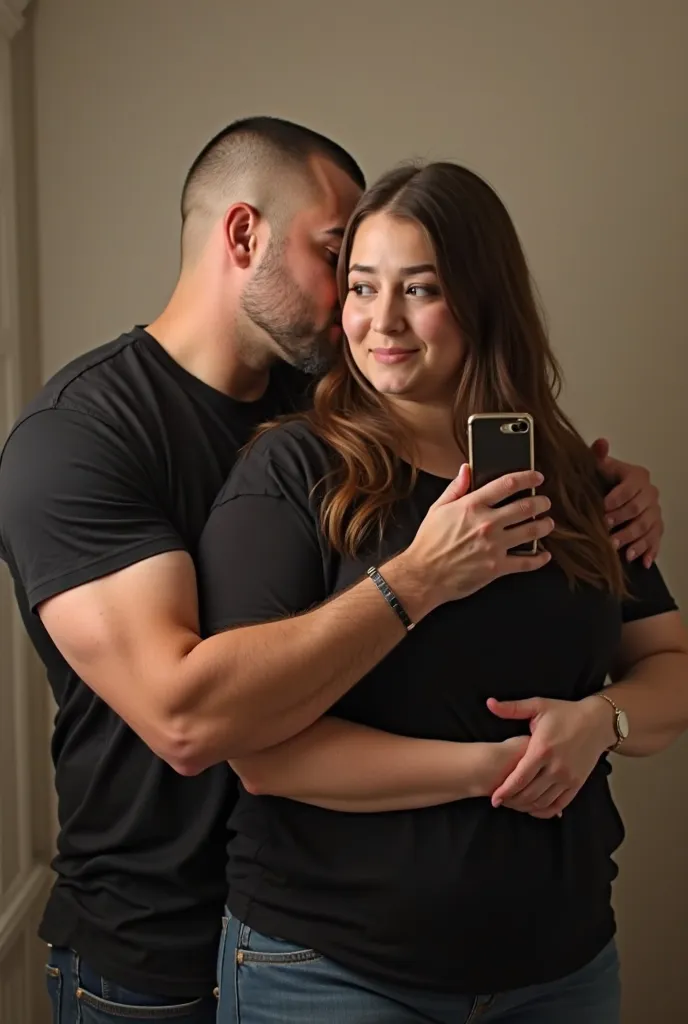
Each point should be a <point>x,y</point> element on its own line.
<point>522,509</point>
<point>528,532</point>
<point>506,487</point>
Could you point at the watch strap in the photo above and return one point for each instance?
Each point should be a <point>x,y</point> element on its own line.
<point>617,712</point>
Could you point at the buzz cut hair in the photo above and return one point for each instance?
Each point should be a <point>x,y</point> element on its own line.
<point>255,160</point>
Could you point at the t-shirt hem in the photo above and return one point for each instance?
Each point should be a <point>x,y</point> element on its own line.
<point>166,972</point>
<point>492,979</point>
<point>100,567</point>
<point>633,614</point>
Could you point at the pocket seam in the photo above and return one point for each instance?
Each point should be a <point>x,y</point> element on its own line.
<point>301,956</point>
<point>54,978</point>
<point>127,1010</point>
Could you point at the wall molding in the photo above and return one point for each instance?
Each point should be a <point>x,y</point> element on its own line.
<point>11,16</point>
<point>28,891</point>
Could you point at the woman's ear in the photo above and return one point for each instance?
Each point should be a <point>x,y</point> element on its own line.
<point>240,234</point>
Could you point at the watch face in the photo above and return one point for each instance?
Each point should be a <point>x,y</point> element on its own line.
<point>622,724</point>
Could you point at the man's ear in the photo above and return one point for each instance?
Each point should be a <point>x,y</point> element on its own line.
<point>240,233</point>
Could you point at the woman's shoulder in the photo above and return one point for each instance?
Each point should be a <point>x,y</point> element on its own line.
<point>282,460</point>
<point>295,444</point>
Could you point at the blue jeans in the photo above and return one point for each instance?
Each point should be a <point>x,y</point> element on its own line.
<point>264,980</point>
<point>80,996</point>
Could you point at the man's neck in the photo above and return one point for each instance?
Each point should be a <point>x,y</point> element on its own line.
<point>212,352</point>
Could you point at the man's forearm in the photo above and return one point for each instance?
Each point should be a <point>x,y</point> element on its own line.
<point>344,766</point>
<point>256,686</point>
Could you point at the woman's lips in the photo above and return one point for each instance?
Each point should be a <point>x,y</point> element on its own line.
<point>393,355</point>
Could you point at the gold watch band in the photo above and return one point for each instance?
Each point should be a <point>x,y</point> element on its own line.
<point>617,712</point>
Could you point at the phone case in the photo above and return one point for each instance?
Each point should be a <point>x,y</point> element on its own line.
<point>500,443</point>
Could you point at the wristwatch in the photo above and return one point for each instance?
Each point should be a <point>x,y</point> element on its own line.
<point>620,722</point>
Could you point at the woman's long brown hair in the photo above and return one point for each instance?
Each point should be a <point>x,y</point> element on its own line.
<point>509,367</point>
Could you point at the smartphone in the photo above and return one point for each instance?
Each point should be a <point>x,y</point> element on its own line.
<point>501,443</point>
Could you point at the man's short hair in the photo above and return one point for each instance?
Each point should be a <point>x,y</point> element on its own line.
<point>245,160</point>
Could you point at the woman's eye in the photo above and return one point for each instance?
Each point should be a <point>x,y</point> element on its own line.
<point>361,289</point>
<point>421,291</point>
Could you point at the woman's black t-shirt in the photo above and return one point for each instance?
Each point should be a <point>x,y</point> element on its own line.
<point>461,897</point>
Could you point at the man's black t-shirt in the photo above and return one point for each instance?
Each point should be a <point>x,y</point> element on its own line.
<point>118,459</point>
<point>461,897</point>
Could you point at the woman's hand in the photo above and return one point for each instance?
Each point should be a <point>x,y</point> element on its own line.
<point>495,762</point>
<point>464,542</point>
<point>567,740</point>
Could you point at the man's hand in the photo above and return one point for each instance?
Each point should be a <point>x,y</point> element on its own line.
<point>567,740</point>
<point>633,504</point>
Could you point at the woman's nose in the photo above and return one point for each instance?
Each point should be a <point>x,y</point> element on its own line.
<point>387,316</point>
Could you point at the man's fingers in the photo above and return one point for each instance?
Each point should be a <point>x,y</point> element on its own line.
<point>624,492</point>
<point>646,546</point>
<point>636,530</point>
<point>459,487</point>
<point>637,506</point>
<point>654,538</point>
<point>506,486</point>
<point>600,448</point>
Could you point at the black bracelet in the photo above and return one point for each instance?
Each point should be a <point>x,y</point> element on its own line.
<point>390,597</point>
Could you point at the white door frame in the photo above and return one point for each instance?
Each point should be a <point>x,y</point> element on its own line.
<point>24,879</point>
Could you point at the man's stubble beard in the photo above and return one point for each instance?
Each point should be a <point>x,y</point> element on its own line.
<point>275,304</point>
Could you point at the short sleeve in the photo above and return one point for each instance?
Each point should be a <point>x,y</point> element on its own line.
<point>648,593</point>
<point>75,504</point>
<point>259,557</point>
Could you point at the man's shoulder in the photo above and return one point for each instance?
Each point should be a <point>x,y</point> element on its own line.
<point>85,384</point>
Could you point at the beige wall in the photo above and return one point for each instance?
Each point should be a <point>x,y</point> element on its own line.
<point>576,112</point>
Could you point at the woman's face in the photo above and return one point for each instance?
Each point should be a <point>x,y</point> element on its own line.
<point>401,333</point>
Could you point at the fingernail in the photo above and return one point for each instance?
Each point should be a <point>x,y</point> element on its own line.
<point>615,543</point>
<point>497,803</point>
<point>631,554</point>
<point>539,478</point>
<point>560,814</point>
<point>610,520</point>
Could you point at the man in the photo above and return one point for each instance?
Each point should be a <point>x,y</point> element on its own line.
<point>105,485</point>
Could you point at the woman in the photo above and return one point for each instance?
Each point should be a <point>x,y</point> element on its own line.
<point>426,852</point>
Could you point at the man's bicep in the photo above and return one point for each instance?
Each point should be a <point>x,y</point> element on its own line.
<point>126,634</point>
<point>75,504</point>
<point>259,560</point>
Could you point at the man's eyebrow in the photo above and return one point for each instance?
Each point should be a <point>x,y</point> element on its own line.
<point>418,268</point>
